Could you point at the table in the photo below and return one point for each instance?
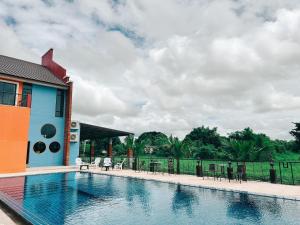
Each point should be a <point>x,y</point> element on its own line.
<point>84,165</point>
<point>154,166</point>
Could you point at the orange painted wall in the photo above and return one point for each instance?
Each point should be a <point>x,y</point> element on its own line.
<point>14,128</point>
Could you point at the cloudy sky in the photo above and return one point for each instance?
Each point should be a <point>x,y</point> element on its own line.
<point>170,65</point>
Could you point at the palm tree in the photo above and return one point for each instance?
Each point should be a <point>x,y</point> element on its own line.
<point>246,150</point>
<point>129,142</point>
<point>138,149</point>
<point>177,148</point>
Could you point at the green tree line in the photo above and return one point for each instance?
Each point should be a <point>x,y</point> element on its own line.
<point>206,143</point>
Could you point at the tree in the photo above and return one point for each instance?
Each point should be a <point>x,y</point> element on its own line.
<point>177,148</point>
<point>129,142</point>
<point>247,151</point>
<point>102,144</point>
<point>138,150</point>
<point>296,134</point>
<point>245,135</point>
<point>205,135</point>
<point>152,138</point>
<point>120,149</point>
<point>155,141</point>
<point>189,148</point>
<point>205,152</point>
<point>247,145</point>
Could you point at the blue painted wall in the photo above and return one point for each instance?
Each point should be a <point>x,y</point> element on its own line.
<point>43,112</point>
<point>74,149</point>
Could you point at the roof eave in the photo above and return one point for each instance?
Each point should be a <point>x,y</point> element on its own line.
<point>42,83</point>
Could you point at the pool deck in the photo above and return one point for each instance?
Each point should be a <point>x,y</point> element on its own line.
<point>290,192</point>
<point>5,219</point>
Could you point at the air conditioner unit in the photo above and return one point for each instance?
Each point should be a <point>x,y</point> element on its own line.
<point>74,125</point>
<point>74,137</point>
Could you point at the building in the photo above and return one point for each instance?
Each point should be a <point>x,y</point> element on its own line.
<point>35,113</point>
<point>35,116</point>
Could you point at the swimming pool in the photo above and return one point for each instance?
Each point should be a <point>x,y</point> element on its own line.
<point>85,198</point>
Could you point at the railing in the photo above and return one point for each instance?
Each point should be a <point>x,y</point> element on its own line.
<point>289,172</point>
<point>286,172</point>
<point>14,99</point>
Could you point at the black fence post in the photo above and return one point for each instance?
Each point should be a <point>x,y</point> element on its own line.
<point>292,173</point>
<point>171,166</point>
<point>151,165</point>
<point>280,172</point>
<point>272,173</point>
<point>199,171</point>
<point>229,171</point>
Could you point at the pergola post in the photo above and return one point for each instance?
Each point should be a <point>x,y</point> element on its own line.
<point>109,152</point>
<point>92,150</point>
<point>130,157</point>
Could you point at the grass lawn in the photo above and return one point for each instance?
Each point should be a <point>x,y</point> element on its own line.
<point>287,156</point>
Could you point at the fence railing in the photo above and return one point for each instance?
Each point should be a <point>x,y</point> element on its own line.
<point>285,172</point>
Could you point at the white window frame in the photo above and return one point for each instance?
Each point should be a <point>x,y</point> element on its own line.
<point>17,89</point>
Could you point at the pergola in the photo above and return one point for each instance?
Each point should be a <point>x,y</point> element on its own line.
<point>93,132</point>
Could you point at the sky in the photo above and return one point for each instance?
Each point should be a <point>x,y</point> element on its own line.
<point>171,65</point>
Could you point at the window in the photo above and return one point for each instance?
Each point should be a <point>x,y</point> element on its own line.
<point>7,93</point>
<point>39,147</point>
<point>60,100</point>
<point>54,147</point>
<point>27,90</point>
<point>48,131</point>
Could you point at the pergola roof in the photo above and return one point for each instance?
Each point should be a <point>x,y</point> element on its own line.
<point>92,132</point>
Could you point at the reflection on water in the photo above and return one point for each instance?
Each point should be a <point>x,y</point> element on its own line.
<point>273,206</point>
<point>184,199</point>
<point>241,207</point>
<point>136,189</point>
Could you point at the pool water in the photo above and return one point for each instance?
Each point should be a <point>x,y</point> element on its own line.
<point>84,198</point>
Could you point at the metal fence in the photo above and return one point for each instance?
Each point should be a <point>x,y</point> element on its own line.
<point>286,172</point>
<point>289,172</point>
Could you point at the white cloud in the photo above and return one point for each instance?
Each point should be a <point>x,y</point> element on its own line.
<point>171,66</point>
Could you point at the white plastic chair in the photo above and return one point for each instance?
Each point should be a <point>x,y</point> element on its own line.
<point>107,163</point>
<point>81,164</point>
<point>119,165</point>
<point>78,161</point>
<point>96,163</point>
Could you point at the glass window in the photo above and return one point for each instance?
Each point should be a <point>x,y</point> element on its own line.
<point>54,147</point>
<point>39,147</point>
<point>60,100</point>
<point>7,93</point>
<point>27,90</point>
<point>48,131</point>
